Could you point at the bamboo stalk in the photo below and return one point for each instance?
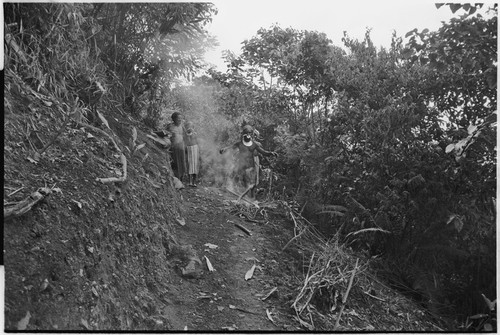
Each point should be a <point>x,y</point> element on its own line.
<point>305,282</point>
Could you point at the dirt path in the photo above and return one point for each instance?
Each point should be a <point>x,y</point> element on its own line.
<point>223,299</point>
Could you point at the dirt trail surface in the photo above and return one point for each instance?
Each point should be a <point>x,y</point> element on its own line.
<point>223,298</point>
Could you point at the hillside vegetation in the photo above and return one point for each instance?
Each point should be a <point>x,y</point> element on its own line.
<point>386,167</point>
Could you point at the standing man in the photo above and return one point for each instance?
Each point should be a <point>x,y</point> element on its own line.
<point>176,128</point>
<point>246,168</point>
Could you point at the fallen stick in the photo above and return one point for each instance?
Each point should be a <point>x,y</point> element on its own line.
<point>270,293</point>
<point>115,179</point>
<point>344,298</point>
<point>294,238</point>
<point>244,229</point>
<point>19,189</point>
<point>374,296</point>
<point>295,227</point>
<point>245,311</point>
<point>25,205</point>
<point>246,191</point>
<point>306,281</point>
<point>236,194</point>
<point>102,132</point>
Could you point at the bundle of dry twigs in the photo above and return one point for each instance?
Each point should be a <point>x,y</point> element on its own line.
<point>329,279</point>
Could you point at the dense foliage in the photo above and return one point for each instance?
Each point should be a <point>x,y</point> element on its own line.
<point>128,54</point>
<point>393,151</point>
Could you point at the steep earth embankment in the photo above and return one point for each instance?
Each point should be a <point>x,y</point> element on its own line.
<point>90,255</point>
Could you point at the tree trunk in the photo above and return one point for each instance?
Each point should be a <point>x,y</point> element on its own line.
<point>313,126</point>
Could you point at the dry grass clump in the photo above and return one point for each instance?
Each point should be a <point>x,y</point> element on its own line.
<point>339,292</point>
<point>331,275</point>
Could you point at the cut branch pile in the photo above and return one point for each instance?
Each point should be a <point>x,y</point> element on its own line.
<point>328,282</point>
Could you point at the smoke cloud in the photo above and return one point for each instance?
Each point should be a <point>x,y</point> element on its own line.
<point>213,130</point>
